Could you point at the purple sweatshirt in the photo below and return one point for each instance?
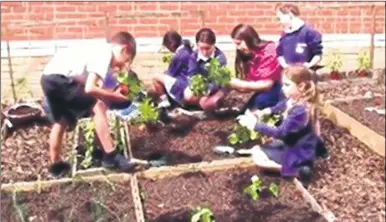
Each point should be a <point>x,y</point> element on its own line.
<point>301,45</point>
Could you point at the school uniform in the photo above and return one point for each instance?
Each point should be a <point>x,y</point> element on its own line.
<point>178,70</point>
<point>296,142</point>
<point>300,44</point>
<point>198,61</point>
<point>265,66</point>
<point>63,81</point>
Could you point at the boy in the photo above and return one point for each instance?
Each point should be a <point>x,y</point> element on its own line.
<point>70,84</point>
<point>299,43</point>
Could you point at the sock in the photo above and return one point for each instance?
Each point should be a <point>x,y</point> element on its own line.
<point>163,101</point>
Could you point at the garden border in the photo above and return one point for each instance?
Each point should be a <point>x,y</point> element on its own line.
<point>367,136</point>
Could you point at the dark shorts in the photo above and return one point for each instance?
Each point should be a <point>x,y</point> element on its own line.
<point>65,99</point>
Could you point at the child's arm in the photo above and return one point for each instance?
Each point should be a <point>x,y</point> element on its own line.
<point>296,119</point>
<point>314,43</point>
<point>280,56</point>
<point>175,66</point>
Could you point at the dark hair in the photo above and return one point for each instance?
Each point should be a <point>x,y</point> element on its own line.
<point>206,35</point>
<point>125,38</point>
<point>288,8</point>
<point>252,39</point>
<point>172,40</point>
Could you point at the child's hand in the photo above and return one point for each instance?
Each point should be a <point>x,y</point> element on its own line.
<point>248,121</point>
<point>263,112</point>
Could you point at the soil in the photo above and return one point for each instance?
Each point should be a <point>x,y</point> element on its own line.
<point>23,110</point>
<point>72,202</point>
<point>347,89</point>
<point>352,183</point>
<point>371,119</point>
<point>236,99</point>
<point>172,199</point>
<point>24,154</point>
<point>188,142</point>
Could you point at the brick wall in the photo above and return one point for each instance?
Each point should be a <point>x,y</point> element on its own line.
<point>71,20</point>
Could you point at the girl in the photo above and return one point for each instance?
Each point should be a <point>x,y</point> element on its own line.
<point>297,143</point>
<point>257,68</point>
<point>205,40</point>
<point>299,43</point>
<point>174,81</point>
<point>71,87</point>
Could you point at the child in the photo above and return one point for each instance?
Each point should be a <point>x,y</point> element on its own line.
<point>206,44</point>
<point>257,68</point>
<point>297,143</point>
<point>71,86</point>
<point>174,81</point>
<point>299,43</point>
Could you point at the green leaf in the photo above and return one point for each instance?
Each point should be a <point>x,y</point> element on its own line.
<point>253,135</point>
<point>147,112</point>
<point>233,138</point>
<point>167,58</point>
<point>198,84</point>
<point>274,188</point>
<point>202,215</point>
<point>252,192</point>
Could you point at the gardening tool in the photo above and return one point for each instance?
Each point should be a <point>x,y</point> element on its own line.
<point>155,160</point>
<point>230,151</point>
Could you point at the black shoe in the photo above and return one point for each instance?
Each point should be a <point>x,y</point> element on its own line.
<point>59,169</point>
<point>163,115</point>
<point>115,161</point>
<point>305,175</point>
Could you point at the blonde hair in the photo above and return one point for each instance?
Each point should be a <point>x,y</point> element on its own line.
<point>288,8</point>
<point>303,78</point>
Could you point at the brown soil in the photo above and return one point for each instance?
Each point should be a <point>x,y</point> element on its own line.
<point>23,110</point>
<point>81,202</point>
<point>371,119</point>
<point>236,99</point>
<point>346,89</point>
<point>24,154</point>
<point>352,183</point>
<point>172,199</point>
<point>189,142</point>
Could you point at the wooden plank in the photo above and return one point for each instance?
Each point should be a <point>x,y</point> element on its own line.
<point>139,213</point>
<point>371,139</point>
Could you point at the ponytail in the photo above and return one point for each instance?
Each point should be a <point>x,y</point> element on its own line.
<point>186,43</point>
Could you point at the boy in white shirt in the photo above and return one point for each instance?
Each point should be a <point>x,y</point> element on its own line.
<point>71,86</point>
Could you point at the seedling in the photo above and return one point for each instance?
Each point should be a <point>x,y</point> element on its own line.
<point>218,75</point>
<point>129,85</point>
<point>364,63</point>
<point>148,112</point>
<point>242,135</point>
<point>198,85</point>
<point>89,136</point>
<point>202,215</point>
<point>256,187</point>
<point>274,188</point>
<point>167,58</point>
<point>335,64</point>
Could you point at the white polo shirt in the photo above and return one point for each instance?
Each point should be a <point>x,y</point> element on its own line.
<point>79,60</point>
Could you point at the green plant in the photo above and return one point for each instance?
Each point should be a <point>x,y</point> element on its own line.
<point>256,187</point>
<point>89,137</point>
<point>334,62</point>
<point>129,80</point>
<point>20,210</point>
<point>274,188</point>
<point>364,63</point>
<point>198,84</point>
<point>202,215</point>
<point>220,76</point>
<point>241,134</point>
<point>147,112</point>
<point>167,58</point>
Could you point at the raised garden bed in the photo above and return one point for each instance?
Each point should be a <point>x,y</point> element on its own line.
<point>358,109</point>
<point>352,183</point>
<point>173,199</point>
<point>78,201</point>
<point>351,88</point>
<point>25,154</point>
